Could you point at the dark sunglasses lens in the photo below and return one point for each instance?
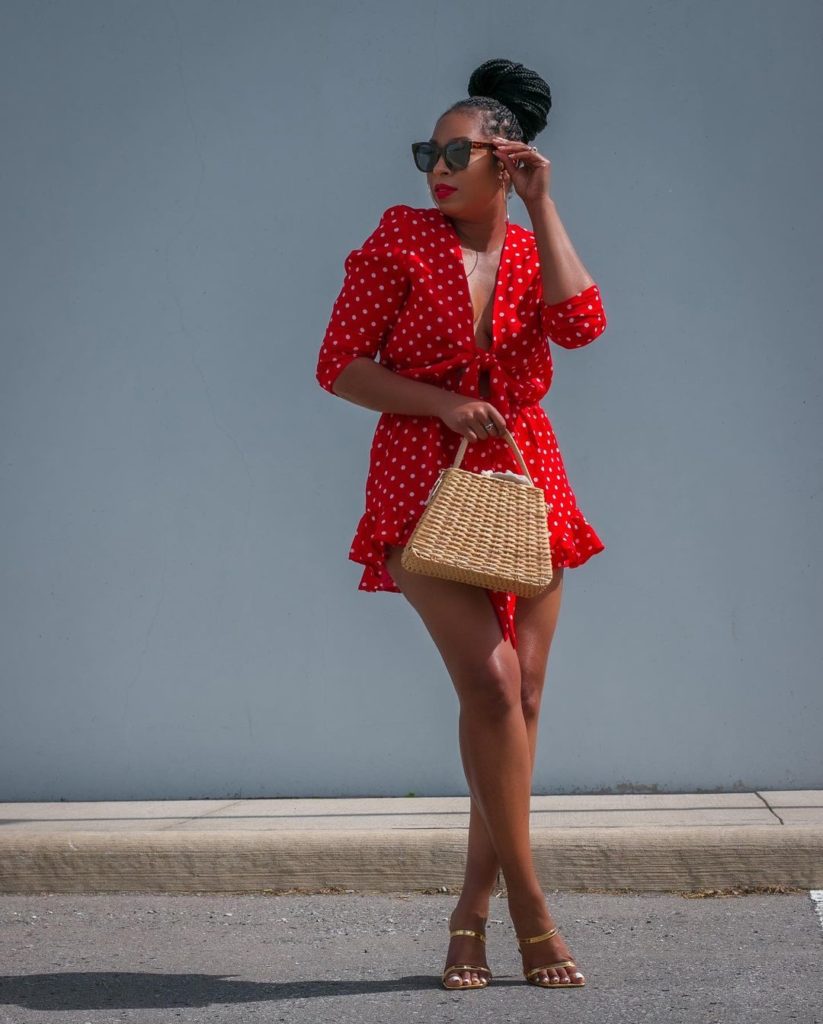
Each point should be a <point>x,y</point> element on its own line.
<point>457,154</point>
<point>425,155</point>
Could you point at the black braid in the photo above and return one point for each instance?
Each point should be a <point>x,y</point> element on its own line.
<point>513,100</point>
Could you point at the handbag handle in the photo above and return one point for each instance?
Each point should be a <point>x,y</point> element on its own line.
<point>461,451</point>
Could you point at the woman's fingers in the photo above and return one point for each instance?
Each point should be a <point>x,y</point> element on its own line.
<point>490,423</point>
<point>516,151</point>
<point>478,421</point>
<point>497,419</point>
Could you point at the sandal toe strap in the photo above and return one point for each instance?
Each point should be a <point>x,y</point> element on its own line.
<point>548,967</point>
<point>457,968</point>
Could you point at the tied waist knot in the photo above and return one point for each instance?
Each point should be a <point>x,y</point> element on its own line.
<point>506,392</point>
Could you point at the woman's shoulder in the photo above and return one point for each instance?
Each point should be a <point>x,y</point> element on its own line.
<point>401,228</point>
<point>406,226</point>
<point>405,214</point>
<point>402,215</point>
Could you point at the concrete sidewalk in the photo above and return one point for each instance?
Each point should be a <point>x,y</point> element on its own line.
<point>653,842</point>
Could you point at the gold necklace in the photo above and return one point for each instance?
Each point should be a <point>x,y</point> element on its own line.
<point>469,274</point>
<point>476,258</point>
<point>465,248</point>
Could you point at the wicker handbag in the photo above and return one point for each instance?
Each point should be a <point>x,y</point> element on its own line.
<point>483,530</point>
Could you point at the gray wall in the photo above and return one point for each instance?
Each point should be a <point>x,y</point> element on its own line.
<point>181,184</point>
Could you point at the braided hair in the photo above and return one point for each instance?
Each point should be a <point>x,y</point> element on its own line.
<point>513,101</point>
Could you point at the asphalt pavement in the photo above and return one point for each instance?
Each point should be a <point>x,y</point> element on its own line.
<point>377,958</point>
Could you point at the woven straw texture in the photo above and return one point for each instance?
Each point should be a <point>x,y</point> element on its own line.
<point>484,531</point>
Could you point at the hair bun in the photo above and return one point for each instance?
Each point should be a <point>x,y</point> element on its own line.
<point>517,87</point>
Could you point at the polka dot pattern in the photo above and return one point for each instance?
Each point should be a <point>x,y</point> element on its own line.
<point>406,298</point>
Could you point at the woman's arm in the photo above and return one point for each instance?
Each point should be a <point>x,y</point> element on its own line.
<point>374,386</point>
<point>561,269</point>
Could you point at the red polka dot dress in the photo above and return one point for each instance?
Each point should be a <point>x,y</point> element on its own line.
<point>406,297</point>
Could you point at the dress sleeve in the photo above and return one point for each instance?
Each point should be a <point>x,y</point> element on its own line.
<point>575,321</point>
<point>374,289</point>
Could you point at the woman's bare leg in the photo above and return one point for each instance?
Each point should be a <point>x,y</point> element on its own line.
<point>485,672</point>
<point>536,621</point>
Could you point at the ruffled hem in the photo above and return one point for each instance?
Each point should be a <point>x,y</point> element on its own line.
<point>368,547</point>
<point>575,544</point>
<point>570,548</point>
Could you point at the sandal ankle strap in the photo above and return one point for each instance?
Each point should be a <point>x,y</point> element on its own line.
<point>468,931</point>
<point>538,938</point>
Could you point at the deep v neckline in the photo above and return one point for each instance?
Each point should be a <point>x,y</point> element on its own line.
<point>456,250</point>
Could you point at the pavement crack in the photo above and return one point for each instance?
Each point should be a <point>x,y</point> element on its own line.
<point>773,811</point>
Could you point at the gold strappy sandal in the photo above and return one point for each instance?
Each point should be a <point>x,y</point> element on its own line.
<point>530,975</point>
<point>457,968</point>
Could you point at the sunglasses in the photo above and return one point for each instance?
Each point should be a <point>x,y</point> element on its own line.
<point>456,153</point>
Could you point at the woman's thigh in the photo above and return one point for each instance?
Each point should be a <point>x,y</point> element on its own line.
<point>464,626</point>
<point>535,620</point>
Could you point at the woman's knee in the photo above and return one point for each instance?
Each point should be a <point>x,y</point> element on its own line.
<point>491,692</point>
<point>460,618</point>
<point>532,680</point>
<point>531,694</point>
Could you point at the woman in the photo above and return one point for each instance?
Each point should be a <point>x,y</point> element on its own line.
<point>460,302</point>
